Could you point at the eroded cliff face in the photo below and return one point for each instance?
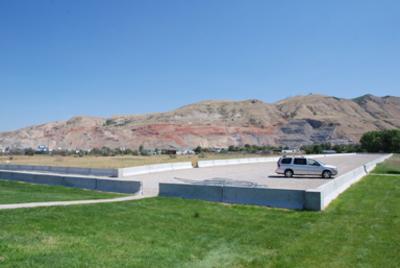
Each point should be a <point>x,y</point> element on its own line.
<point>294,121</point>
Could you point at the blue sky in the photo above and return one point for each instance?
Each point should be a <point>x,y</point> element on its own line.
<point>64,58</point>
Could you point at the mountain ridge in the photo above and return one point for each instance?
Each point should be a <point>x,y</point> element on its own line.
<point>293,122</point>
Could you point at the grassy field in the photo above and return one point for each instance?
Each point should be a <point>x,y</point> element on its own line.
<point>390,166</point>
<point>112,161</point>
<point>18,192</point>
<point>360,229</point>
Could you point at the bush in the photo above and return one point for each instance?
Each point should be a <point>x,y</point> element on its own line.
<point>29,152</point>
<point>198,150</point>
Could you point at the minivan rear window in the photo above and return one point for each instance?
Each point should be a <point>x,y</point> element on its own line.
<point>300,161</point>
<point>286,160</point>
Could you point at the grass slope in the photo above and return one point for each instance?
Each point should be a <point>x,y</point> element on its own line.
<point>18,192</point>
<point>390,166</point>
<point>360,229</point>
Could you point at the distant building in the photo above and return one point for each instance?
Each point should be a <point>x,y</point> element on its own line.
<point>150,152</point>
<point>329,152</point>
<point>216,149</point>
<point>42,149</point>
<point>290,151</point>
<point>168,151</point>
<point>185,152</point>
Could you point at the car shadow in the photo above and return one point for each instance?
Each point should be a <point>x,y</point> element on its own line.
<point>276,177</point>
<point>294,177</point>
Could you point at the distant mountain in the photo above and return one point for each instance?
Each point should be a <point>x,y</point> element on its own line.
<point>294,121</point>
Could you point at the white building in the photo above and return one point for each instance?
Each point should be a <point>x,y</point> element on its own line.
<point>290,151</point>
<point>185,152</point>
<point>42,149</point>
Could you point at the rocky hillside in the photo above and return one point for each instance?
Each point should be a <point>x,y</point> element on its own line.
<point>294,121</point>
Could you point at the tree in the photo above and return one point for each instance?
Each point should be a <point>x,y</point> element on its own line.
<point>371,141</point>
<point>29,151</point>
<point>391,140</point>
<point>387,141</point>
<point>198,150</point>
<point>141,150</point>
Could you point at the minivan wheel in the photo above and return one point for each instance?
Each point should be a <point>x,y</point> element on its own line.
<point>288,173</point>
<point>326,174</point>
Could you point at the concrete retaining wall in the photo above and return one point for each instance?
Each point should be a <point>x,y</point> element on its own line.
<point>328,155</point>
<point>131,171</point>
<point>281,198</point>
<point>313,199</point>
<point>90,183</point>
<point>118,186</point>
<point>126,172</point>
<point>189,191</point>
<point>321,197</point>
<point>240,161</point>
<point>63,170</point>
<point>371,165</point>
<point>122,172</point>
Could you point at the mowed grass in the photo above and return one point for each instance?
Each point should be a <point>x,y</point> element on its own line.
<point>18,192</point>
<point>360,229</point>
<point>390,166</point>
<point>113,161</point>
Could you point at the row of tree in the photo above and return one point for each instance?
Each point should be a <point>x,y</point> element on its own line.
<point>384,141</point>
<point>338,148</point>
<point>387,141</point>
<point>247,148</point>
<point>103,151</point>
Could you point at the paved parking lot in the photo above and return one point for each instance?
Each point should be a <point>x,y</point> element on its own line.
<point>262,174</point>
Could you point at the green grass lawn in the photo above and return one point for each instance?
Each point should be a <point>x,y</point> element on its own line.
<point>360,229</point>
<point>18,192</point>
<point>390,166</point>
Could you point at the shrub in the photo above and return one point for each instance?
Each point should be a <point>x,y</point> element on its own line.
<point>29,152</point>
<point>198,150</point>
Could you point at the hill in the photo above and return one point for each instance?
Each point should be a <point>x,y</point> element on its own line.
<point>294,121</point>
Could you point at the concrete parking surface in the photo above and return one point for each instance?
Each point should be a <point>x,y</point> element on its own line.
<point>262,174</point>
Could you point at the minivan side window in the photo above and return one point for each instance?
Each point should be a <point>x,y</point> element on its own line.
<point>300,161</point>
<point>312,162</point>
<point>286,160</point>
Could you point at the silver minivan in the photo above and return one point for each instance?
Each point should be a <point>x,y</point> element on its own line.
<point>291,165</point>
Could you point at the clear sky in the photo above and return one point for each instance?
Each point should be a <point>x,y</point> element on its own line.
<point>64,58</point>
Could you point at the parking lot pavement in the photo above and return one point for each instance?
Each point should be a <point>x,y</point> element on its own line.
<point>262,174</point>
